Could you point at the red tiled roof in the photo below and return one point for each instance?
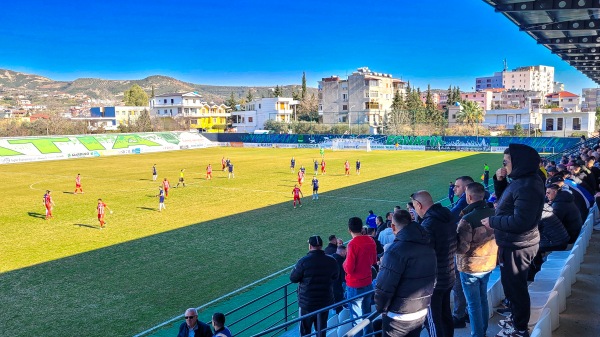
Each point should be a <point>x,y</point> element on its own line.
<point>562,94</point>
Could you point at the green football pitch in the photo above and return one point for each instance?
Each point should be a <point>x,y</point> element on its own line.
<point>67,277</point>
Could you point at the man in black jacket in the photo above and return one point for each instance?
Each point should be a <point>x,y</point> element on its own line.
<point>338,284</point>
<point>439,224</point>
<point>332,246</point>
<point>519,210</point>
<point>315,274</point>
<point>406,278</point>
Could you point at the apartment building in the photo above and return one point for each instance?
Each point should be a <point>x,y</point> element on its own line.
<point>189,107</point>
<point>483,98</point>
<point>259,111</point>
<point>535,78</point>
<point>517,99</point>
<point>489,82</point>
<point>364,97</point>
<point>566,100</point>
<point>117,115</point>
<point>591,99</point>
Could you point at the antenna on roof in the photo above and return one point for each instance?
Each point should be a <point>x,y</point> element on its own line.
<point>505,65</point>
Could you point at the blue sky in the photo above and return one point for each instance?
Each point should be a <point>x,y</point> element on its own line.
<point>268,42</point>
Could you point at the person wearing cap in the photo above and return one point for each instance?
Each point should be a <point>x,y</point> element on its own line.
<point>515,224</point>
<point>563,206</point>
<point>315,274</point>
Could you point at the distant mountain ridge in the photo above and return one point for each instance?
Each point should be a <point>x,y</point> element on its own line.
<point>113,89</point>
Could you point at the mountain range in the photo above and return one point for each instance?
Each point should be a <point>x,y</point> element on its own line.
<point>32,85</point>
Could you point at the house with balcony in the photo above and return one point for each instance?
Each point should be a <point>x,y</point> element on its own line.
<point>564,99</point>
<point>191,110</point>
<point>498,119</point>
<point>259,111</point>
<point>365,97</point>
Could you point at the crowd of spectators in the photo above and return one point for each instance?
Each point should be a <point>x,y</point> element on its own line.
<point>414,258</point>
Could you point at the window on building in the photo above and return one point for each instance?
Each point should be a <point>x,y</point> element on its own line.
<point>345,97</point>
<point>549,124</point>
<point>559,124</point>
<point>249,119</point>
<point>345,107</point>
<point>172,101</point>
<point>259,106</point>
<point>165,101</point>
<point>320,107</point>
<point>576,123</point>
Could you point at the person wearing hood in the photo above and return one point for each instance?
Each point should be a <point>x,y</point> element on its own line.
<point>440,225</point>
<point>515,225</point>
<point>406,278</point>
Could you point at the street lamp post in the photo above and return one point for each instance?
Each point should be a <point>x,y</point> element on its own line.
<point>349,125</point>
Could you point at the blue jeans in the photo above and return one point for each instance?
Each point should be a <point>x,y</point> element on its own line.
<point>361,305</point>
<point>475,289</point>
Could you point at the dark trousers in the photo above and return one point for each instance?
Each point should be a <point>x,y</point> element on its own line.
<point>319,321</point>
<point>514,267</point>
<point>393,328</point>
<point>460,303</point>
<point>439,316</point>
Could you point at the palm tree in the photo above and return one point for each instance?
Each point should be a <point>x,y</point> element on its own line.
<point>470,114</point>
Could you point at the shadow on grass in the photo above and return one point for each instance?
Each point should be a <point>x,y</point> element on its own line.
<point>36,215</point>
<point>163,274</point>
<point>67,192</point>
<point>86,225</point>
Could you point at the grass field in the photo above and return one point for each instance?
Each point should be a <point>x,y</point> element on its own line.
<point>66,277</point>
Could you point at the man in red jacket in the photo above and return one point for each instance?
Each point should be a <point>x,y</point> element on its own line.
<point>361,255</point>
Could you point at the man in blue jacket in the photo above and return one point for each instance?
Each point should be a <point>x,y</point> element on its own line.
<point>199,328</point>
<point>515,224</point>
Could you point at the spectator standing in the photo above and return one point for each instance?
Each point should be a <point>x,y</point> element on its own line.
<point>519,210</point>
<point>192,326</point>
<point>371,220</point>
<point>451,194</point>
<point>218,322</point>
<point>387,236</point>
<point>406,279</point>
<point>338,284</point>
<point>361,256</point>
<point>332,246</point>
<point>459,312</point>
<point>441,228</point>
<point>476,257</point>
<point>315,274</point>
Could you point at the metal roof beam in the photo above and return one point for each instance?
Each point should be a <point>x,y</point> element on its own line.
<point>586,51</point>
<point>590,39</point>
<point>546,5</point>
<point>577,25</point>
<point>587,58</point>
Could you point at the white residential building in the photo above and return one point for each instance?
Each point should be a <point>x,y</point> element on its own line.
<point>517,99</point>
<point>536,78</point>
<point>259,111</point>
<point>194,112</point>
<point>529,119</point>
<point>557,123</point>
<point>365,97</point>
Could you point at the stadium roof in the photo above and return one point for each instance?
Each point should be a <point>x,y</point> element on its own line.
<point>569,28</point>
